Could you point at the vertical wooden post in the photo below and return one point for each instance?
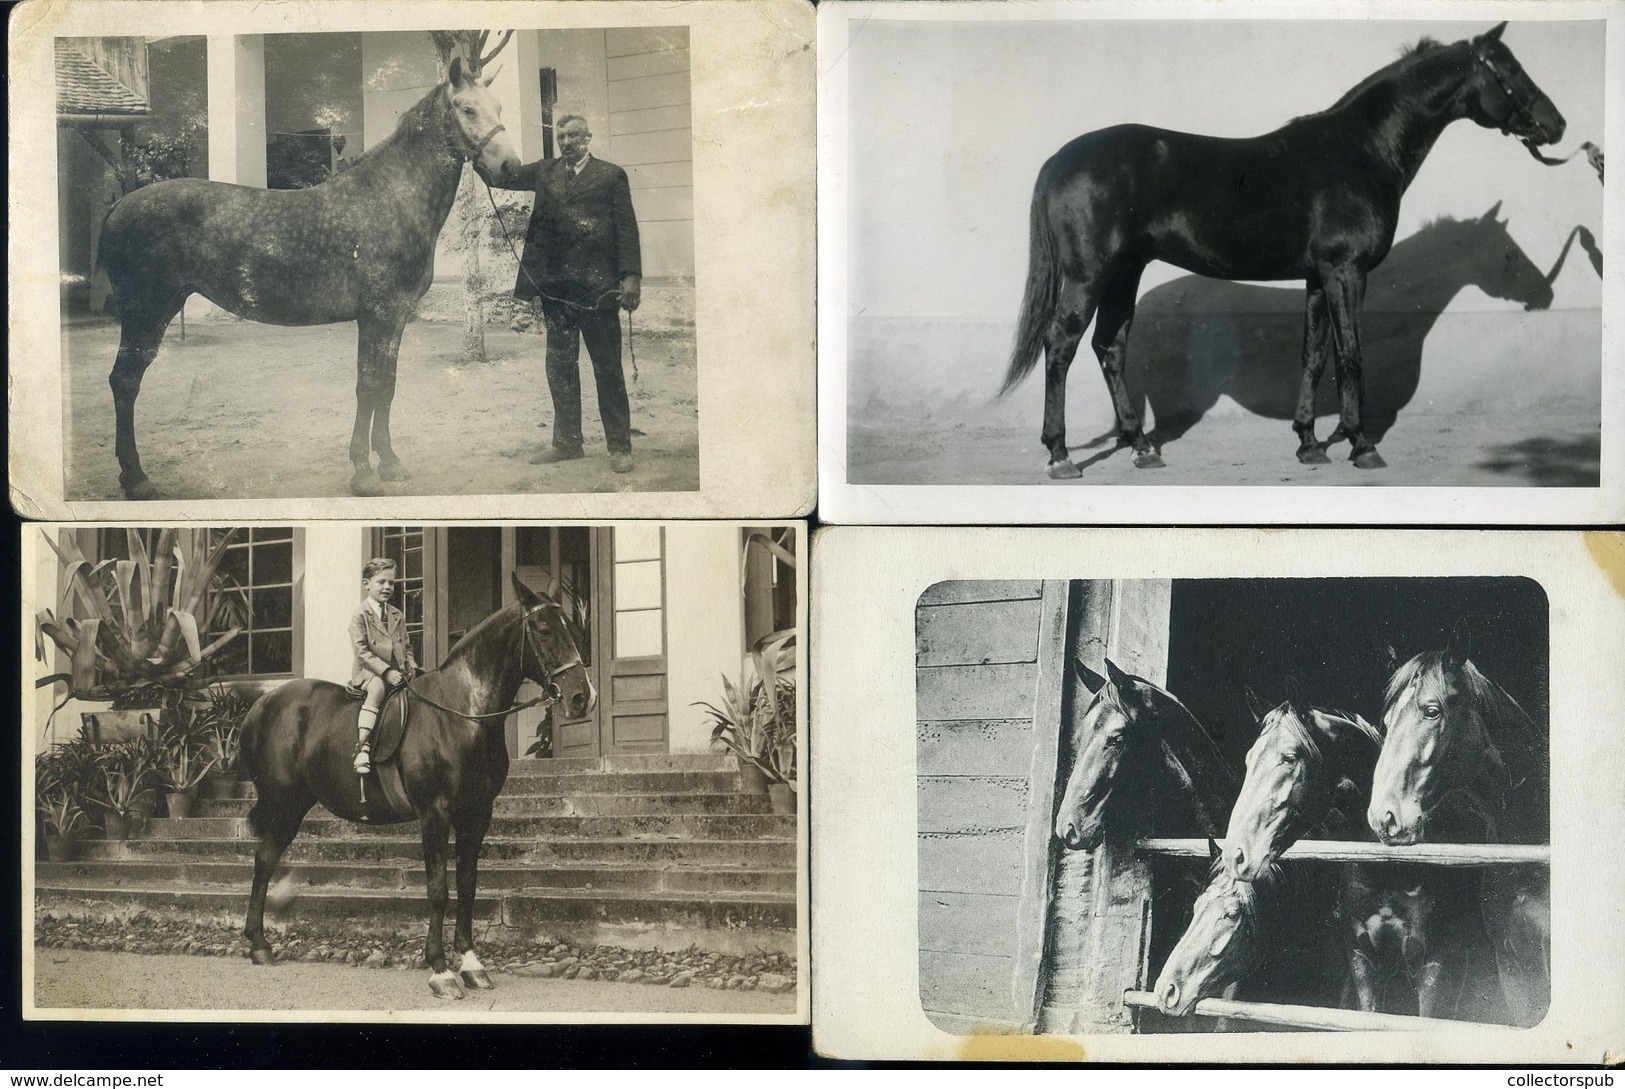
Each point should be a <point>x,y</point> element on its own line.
<point>1099,912</point>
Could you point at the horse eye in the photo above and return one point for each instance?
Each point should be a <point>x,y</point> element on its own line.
<point>1432,710</point>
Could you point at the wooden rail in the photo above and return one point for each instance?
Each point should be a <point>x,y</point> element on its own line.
<point>1432,854</point>
<point>1311,1017</point>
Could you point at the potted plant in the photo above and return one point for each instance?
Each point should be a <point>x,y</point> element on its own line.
<point>121,786</point>
<point>219,723</point>
<point>63,819</point>
<point>184,768</point>
<point>755,719</point>
<point>133,629</point>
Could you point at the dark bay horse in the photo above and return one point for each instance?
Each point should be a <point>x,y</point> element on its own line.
<point>298,741</point>
<point>1145,766</point>
<point>1405,932</point>
<point>358,247</point>
<point>1316,200</point>
<point>1463,763</point>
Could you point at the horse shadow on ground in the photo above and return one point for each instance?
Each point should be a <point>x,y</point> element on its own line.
<point>1550,462</point>
<point>1196,339</point>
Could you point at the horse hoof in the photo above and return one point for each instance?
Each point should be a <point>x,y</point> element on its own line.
<point>261,955</point>
<point>393,470</point>
<point>1369,459</point>
<point>1063,470</point>
<point>366,482</point>
<point>1147,459</point>
<point>479,980</point>
<point>140,490</point>
<point>445,987</point>
<point>1313,455</point>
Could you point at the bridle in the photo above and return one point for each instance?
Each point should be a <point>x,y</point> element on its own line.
<point>1522,105</point>
<point>551,692</point>
<point>470,155</point>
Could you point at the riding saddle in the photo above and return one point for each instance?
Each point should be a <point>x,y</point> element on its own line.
<point>386,747</point>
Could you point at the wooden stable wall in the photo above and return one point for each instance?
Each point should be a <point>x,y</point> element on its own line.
<point>987,683</point>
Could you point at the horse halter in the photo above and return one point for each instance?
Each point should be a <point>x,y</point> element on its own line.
<point>552,693</point>
<point>470,156</point>
<point>1522,105</point>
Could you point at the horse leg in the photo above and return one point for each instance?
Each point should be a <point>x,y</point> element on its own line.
<point>1110,342</point>
<point>141,333</point>
<point>470,835</point>
<point>277,827</point>
<point>436,826</point>
<point>389,465</point>
<point>373,375</point>
<point>1072,313</point>
<point>1345,292</point>
<point>1315,333</point>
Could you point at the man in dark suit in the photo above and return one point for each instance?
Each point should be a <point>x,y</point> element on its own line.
<point>581,263</point>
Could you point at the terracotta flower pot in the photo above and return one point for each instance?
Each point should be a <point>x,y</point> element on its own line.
<point>752,779</point>
<point>783,797</point>
<point>219,785</point>
<point>61,848</point>
<point>179,803</point>
<point>116,825</point>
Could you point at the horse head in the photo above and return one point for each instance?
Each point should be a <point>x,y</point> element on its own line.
<point>476,118</point>
<point>1438,744</point>
<point>1222,944</point>
<point>1500,94</point>
<point>1488,258</point>
<point>551,655</point>
<point>1116,739</point>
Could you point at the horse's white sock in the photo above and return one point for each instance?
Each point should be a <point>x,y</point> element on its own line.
<point>471,963</point>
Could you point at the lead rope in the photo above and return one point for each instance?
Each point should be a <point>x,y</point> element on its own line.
<point>613,289</point>
<point>1592,151</point>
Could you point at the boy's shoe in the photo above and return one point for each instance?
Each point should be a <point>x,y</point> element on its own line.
<point>363,759</point>
<point>547,455</point>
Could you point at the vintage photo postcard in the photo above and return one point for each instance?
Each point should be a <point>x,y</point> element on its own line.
<point>412,259</point>
<point>1218,796</point>
<point>1179,262</point>
<point>484,774</point>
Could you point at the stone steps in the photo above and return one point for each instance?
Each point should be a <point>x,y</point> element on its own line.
<point>650,851</point>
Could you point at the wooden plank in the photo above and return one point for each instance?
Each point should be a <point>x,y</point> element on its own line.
<point>1314,1017</point>
<point>955,863</point>
<point>659,175</point>
<point>966,984</point>
<point>646,92</point>
<point>957,1024</point>
<point>1430,854</point>
<point>1001,746</point>
<point>664,204</point>
<point>1038,848</point>
<point>630,40</point>
<point>972,804</point>
<point>977,633</point>
<point>961,692</point>
<point>653,119</point>
<point>673,145</point>
<point>660,63</point>
<point>956,922</point>
<point>963,590</point>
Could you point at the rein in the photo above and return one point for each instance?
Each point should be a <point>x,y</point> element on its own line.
<point>613,289</point>
<point>1522,111</point>
<point>551,692</point>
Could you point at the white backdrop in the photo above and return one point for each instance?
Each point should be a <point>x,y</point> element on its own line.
<point>949,123</point>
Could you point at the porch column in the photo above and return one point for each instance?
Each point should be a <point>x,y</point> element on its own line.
<point>236,66</point>
<point>331,588</point>
<point>705,625</point>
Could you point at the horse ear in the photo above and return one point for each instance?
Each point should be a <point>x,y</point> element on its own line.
<point>1119,679</point>
<point>1455,652</point>
<point>454,72</point>
<point>1093,681</point>
<point>1256,705</point>
<point>1490,216</point>
<point>1493,34</point>
<point>527,597</point>
<point>485,81</point>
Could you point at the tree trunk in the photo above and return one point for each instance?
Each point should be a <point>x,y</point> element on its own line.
<point>469,235</point>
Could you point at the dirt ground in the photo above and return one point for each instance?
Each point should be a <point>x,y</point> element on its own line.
<point>80,979</point>
<point>243,410</point>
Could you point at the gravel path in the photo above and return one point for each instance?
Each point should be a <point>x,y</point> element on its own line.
<point>82,979</point>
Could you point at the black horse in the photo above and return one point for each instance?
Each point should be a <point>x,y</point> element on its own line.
<point>451,763</point>
<point>358,247</point>
<point>1317,199</point>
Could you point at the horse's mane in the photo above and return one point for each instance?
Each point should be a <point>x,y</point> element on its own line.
<point>1190,738</point>
<point>414,119</point>
<point>462,645</point>
<point>1410,58</point>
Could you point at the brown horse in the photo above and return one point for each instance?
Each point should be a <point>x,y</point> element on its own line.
<point>298,741</point>
<point>358,247</point>
<point>1316,200</point>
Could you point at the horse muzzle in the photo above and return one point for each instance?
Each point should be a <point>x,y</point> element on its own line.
<point>1395,825</point>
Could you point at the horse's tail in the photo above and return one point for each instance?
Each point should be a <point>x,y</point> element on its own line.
<point>1043,290</point>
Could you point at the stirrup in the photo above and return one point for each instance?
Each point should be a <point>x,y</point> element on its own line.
<point>363,758</point>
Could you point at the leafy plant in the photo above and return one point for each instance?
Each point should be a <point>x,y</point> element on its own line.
<point>218,721</point>
<point>133,628</point>
<point>756,719</point>
<point>128,775</point>
<point>61,813</point>
<point>184,766</point>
